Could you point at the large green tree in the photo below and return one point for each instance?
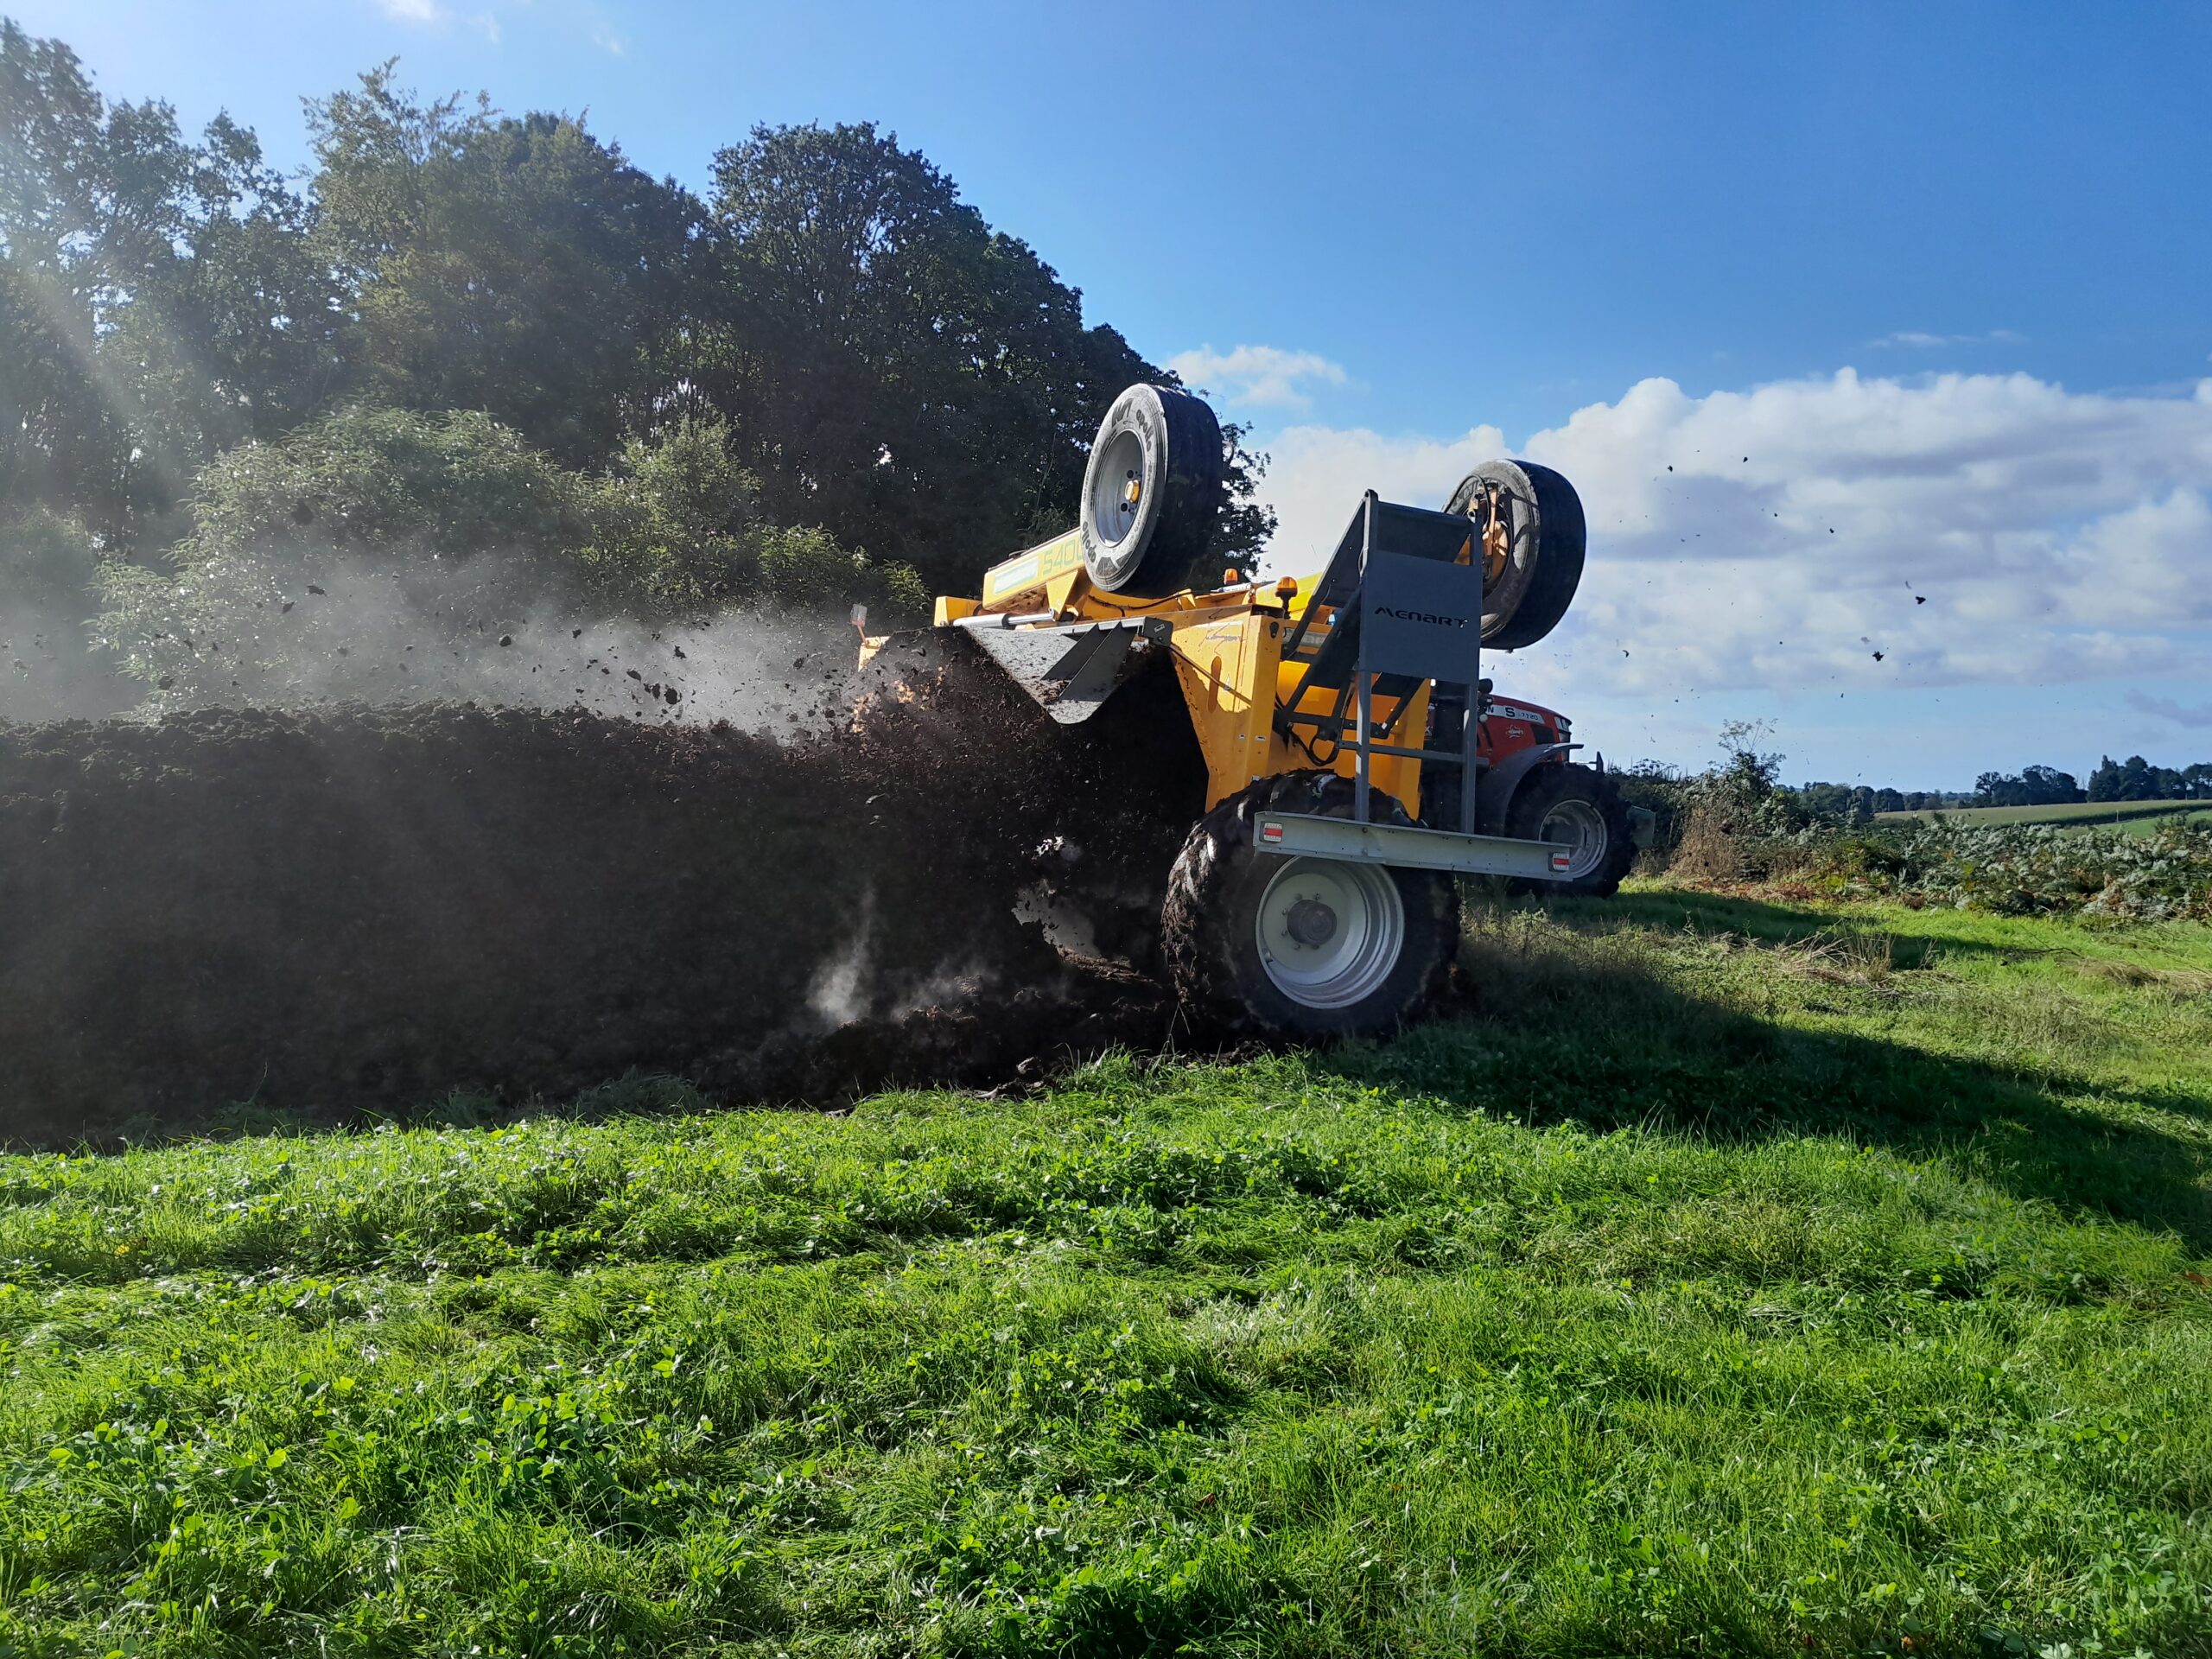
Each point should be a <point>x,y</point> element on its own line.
<point>897,370</point>
<point>517,266</point>
<point>837,355</point>
<point>158,299</point>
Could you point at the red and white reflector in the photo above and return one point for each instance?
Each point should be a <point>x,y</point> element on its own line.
<point>1562,860</point>
<point>1270,832</point>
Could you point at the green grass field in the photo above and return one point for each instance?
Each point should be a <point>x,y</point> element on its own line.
<point>2139,817</point>
<point>2199,819</point>
<point>1746,1278</point>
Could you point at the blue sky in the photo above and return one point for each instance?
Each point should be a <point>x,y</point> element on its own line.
<point>1965,250</point>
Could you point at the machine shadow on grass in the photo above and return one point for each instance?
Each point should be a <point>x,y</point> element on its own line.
<point>1581,1016</point>
<point>1702,910</point>
<point>1578,1025</point>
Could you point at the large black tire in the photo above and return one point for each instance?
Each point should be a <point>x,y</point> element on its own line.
<point>1543,562</point>
<point>1210,926</point>
<point>1167,445</point>
<point>1581,807</point>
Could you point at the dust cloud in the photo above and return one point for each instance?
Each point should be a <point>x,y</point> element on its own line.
<point>49,671</point>
<point>491,630</point>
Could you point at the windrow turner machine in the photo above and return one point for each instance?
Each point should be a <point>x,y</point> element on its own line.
<point>1355,760</point>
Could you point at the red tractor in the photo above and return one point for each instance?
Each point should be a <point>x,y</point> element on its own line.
<point>1529,789</point>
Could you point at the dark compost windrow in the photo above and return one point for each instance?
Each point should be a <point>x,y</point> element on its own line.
<point>364,907</point>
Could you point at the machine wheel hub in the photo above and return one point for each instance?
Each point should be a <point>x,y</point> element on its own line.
<point>1580,827</point>
<point>1311,923</point>
<point>1118,490</point>
<point>1329,932</point>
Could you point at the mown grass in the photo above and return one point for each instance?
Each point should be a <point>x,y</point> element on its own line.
<point>2070,814</point>
<point>1746,1277</point>
<point>2200,819</point>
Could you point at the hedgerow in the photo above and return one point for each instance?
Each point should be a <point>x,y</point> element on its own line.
<point>2012,869</point>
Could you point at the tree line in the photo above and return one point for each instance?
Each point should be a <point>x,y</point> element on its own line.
<point>2131,779</point>
<point>1747,797</point>
<point>830,341</point>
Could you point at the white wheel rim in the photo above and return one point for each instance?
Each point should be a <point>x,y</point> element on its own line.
<point>1117,487</point>
<point>1578,825</point>
<point>1329,932</point>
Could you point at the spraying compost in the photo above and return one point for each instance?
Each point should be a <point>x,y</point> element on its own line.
<point>1101,803</point>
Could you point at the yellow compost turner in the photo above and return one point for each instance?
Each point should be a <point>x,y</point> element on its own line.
<point>1316,896</point>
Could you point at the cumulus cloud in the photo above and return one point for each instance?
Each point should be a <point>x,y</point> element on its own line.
<point>1316,475</point>
<point>1973,530</point>
<point>1261,377</point>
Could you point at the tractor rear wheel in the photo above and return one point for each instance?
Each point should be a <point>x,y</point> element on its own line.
<point>1581,809</point>
<point>1284,946</point>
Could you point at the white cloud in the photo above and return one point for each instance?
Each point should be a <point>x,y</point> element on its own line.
<point>1917,340</point>
<point>1262,377</point>
<point>2167,709</point>
<point>1985,530</point>
<point>432,13</point>
<point>1316,475</point>
<point>608,43</point>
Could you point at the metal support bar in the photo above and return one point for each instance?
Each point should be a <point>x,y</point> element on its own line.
<point>1452,755</point>
<point>1363,732</point>
<point>1352,843</point>
<point>1004,619</point>
<point>1470,739</point>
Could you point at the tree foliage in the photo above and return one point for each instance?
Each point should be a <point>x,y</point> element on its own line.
<point>378,520</point>
<point>2031,786</point>
<point>880,362</point>
<point>519,267</point>
<point>159,302</point>
<point>896,369</point>
<point>2137,779</point>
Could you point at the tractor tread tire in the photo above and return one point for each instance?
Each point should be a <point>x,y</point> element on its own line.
<point>1184,483</point>
<point>1207,935</point>
<point>1544,567</point>
<point>1547,786</point>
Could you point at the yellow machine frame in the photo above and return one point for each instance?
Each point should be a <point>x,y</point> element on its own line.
<point>1227,646</point>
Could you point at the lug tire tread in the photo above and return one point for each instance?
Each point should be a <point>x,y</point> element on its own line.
<point>1539,581</point>
<point>1182,439</point>
<point>1206,933</point>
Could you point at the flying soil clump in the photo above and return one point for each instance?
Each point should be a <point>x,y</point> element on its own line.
<point>363,908</point>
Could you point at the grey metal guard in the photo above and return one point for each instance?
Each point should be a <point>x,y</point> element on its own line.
<point>1405,586</point>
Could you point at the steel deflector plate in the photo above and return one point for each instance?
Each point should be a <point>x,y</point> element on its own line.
<point>1418,850</point>
<point>1069,670</point>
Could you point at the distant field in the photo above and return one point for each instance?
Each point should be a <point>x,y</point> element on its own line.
<point>2200,818</point>
<point>2079,812</point>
